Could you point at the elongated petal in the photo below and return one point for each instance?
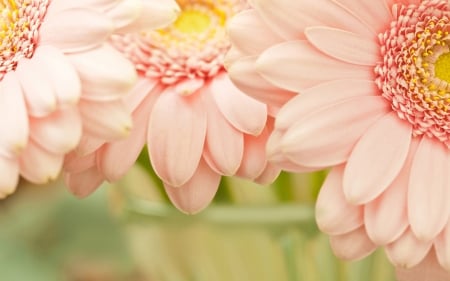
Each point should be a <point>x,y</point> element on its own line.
<point>304,66</point>
<point>334,215</point>
<point>107,120</point>
<point>354,245</point>
<point>375,14</point>
<point>242,29</point>
<point>67,32</point>
<point>442,247</point>
<point>84,183</point>
<point>244,76</point>
<point>322,95</point>
<point>176,135</point>
<point>125,12</point>
<point>61,73</point>
<point>97,5</point>
<point>60,132</point>
<point>428,270</point>
<point>197,193</point>
<point>254,157</point>
<point>429,190</point>
<point>344,45</point>
<point>117,157</point>
<point>407,251</point>
<point>9,176</point>
<point>88,144</point>
<point>236,106</point>
<point>153,14</point>
<point>39,95</point>
<point>105,73</point>
<point>224,145</point>
<point>38,165</point>
<point>74,163</point>
<point>13,135</point>
<point>377,159</point>
<point>385,224</point>
<point>289,18</point>
<point>345,122</point>
<point>268,175</point>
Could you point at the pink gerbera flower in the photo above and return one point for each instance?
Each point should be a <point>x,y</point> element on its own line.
<point>198,126</point>
<point>375,105</point>
<point>56,67</point>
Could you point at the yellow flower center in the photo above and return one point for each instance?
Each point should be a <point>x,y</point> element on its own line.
<point>442,67</point>
<point>192,21</point>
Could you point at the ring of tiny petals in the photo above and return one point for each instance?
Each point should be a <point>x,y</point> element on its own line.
<point>417,37</point>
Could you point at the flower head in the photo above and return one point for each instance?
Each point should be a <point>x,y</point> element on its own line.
<point>197,125</point>
<point>373,78</point>
<point>54,68</point>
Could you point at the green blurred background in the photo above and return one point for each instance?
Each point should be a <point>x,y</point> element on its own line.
<point>48,235</point>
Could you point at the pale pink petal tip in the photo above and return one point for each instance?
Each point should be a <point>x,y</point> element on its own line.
<point>197,193</point>
<point>84,183</point>
<point>428,270</point>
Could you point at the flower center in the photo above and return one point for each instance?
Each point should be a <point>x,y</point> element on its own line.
<point>442,67</point>
<point>194,46</point>
<point>192,21</point>
<point>19,25</point>
<point>415,72</point>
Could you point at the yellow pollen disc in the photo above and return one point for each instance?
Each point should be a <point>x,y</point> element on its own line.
<point>442,67</point>
<point>192,21</point>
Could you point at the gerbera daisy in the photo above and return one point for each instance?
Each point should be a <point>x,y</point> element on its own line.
<point>198,126</point>
<point>374,103</point>
<point>55,68</point>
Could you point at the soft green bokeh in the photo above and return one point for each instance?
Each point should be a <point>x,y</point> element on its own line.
<point>47,234</point>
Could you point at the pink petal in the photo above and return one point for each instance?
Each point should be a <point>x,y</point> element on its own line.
<point>375,14</point>
<point>142,89</point>
<point>13,135</point>
<point>327,136</point>
<point>235,106</point>
<point>84,183</point>
<point>88,144</point>
<point>9,176</point>
<point>38,165</point>
<point>107,120</point>
<point>297,65</point>
<point>59,132</point>
<point>125,12</point>
<point>197,193</point>
<point>354,245</point>
<point>105,73</point>
<point>289,18</point>
<point>153,14</point>
<point>61,73</point>
<point>442,247</point>
<point>322,95</point>
<point>176,135</point>
<point>38,91</point>
<point>377,159</point>
<point>244,76</point>
<point>269,175</point>
<point>276,156</point>
<point>344,45</point>
<point>428,270</point>
<point>334,215</point>
<point>117,157</point>
<point>67,32</point>
<point>254,158</point>
<point>74,163</point>
<point>98,5</point>
<point>429,189</point>
<point>250,34</point>
<point>384,224</point>
<point>407,251</point>
<point>224,145</point>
